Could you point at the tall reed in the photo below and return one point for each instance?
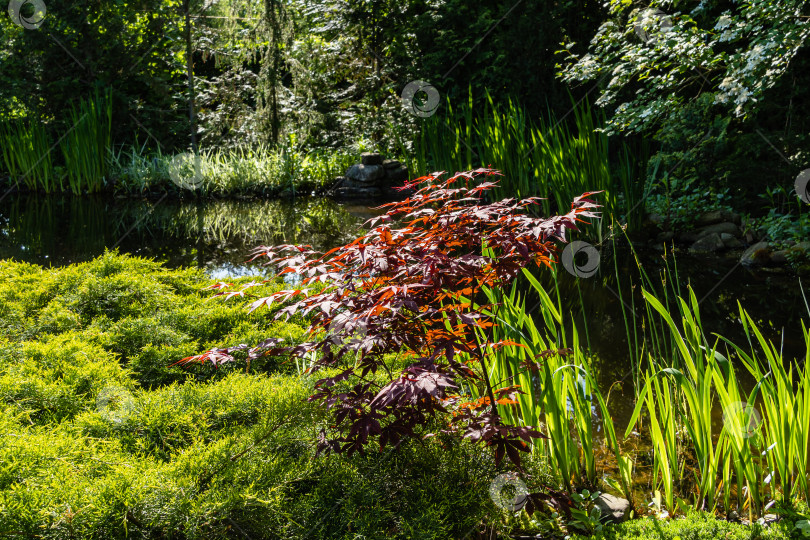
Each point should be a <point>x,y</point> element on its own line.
<point>542,158</point>
<point>86,146</point>
<point>25,153</point>
<point>685,377</point>
<point>559,392</point>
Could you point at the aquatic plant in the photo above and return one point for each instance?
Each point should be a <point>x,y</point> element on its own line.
<point>26,157</point>
<point>86,145</point>
<point>558,390</point>
<point>539,158</point>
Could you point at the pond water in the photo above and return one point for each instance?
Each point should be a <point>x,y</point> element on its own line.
<point>217,236</point>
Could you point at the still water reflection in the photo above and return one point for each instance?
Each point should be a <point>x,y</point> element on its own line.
<point>214,235</point>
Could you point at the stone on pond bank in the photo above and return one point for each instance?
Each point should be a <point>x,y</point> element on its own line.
<point>613,508</point>
<point>719,216</point>
<point>708,244</point>
<point>717,228</point>
<point>365,173</point>
<point>398,175</point>
<point>371,158</point>
<point>730,241</point>
<point>372,178</point>
<point>756,255</point>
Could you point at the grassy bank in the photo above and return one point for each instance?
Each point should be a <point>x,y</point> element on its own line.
<point>227,172</point>
<point>35,156</point>
<point>103,439</point>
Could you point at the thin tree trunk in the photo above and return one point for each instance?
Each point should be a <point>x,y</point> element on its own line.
<point>271,15</point>
<point>192,113</point>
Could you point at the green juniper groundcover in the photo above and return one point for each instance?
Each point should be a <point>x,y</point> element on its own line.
<point>103,438</point>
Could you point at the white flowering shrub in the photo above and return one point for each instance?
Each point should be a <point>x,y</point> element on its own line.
<point>650,59</point>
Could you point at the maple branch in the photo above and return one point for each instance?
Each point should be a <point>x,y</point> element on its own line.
<point>492,402</point>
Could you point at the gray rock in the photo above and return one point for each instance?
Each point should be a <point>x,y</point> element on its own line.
<point>365,173</point>
<point>370,158</point>
<point>720,228</point>
<point>717,228</point>
<point>707,244</point>
<point>655,218</point>
<point>346,188</point>
<point>665,236</point>
<point>779,257</point>
<point>396,175</point>
<point>718,216</point>
<point>733,516</point>
<point>349,183</point>
<point>802,246</point>
<point>613,508</point>
<point>391,164</point>
<point>392,193</point>
<point>756,255</point>
<point>729,241</point>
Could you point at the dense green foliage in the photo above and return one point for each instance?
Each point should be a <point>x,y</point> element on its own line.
<point>695,526</point>
<point>719,88</point>
<point>103,439</point>
<point>540,158</point>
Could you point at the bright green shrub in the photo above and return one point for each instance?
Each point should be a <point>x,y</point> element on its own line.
<point>100,438</point>
<point>59,377</point>
<point>695,526</point>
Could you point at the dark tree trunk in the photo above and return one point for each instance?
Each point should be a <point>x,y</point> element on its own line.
<point>192,113</point>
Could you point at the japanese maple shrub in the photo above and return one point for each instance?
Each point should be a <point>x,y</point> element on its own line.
<point>405,288</point>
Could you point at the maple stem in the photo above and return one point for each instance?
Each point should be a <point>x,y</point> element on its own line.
<point>484,370</point>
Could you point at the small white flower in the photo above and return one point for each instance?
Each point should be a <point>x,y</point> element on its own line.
<point>723,22</point>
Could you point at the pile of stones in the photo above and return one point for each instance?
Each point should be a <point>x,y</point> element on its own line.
<point>720,230</point>
<point>372,178</point>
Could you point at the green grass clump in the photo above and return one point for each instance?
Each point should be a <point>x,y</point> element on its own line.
<point>25,156</point>
<point>234,171</point>
<point>695,526</point>
<point>25,149</point>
